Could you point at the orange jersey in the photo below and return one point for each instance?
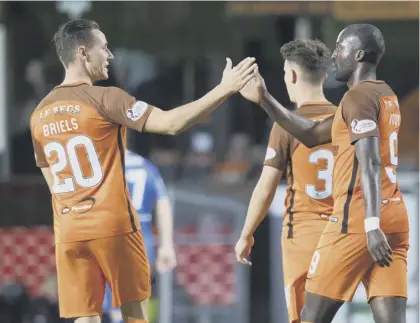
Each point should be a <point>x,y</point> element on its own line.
<point>78,132</point>
<point>308,172</point>
<point>369,110</point>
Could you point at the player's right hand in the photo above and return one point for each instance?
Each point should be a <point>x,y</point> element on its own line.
<point>243,249</point>
<point>379,248</point>
<point>254,90</point>
<point>235,78</point>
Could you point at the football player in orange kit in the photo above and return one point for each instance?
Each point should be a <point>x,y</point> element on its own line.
<point>367,237</point>
<point>78,133</point>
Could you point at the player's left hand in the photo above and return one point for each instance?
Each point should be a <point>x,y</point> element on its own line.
<point>379,248</point>
<point>166,259</point>
<point>255,88</point>
<point>243,249</point>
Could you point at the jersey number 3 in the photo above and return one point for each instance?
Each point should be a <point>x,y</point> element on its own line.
<point>68,153</point>
<point>323,174</point>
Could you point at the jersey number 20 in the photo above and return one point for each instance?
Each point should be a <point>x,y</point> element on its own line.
<point>323,174</point>
<point>67,154</point>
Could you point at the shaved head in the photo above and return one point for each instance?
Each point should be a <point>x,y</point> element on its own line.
<point>370,40</point>
<point>357,44</point>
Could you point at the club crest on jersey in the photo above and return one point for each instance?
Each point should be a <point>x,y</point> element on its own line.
<point>137,110</point>
<point>270,154</point>
<point>362,126</point>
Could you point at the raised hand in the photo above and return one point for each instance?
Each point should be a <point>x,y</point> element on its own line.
<point>235,78</point>
<point>254,90</point>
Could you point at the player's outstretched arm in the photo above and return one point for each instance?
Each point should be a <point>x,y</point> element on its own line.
<point>179,119</point>
<point>369,159</point>
<point>261,199</point>
<point>310,133</point>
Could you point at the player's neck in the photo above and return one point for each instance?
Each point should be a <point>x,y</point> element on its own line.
<point>310,94</point>
<point>364,72</point>
<point>75,75</point>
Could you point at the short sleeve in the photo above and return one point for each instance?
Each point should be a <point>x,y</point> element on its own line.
<point>40,159</point>
<point>361,113</point>
<point>123,109</point>
<point>278,148</point>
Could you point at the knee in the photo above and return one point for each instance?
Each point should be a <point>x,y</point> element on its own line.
<point>308,314</point>
<point>135,311</point>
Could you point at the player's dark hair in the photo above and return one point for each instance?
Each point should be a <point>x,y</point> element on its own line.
<point>372,40</point>
<point>312,55</point>
<point>71,35</point>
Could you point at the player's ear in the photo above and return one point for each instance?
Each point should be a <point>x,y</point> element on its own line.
<point>360,54</point>
<point>83,52</point>
<point>294,77</point>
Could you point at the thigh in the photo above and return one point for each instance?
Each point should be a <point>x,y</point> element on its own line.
<point>81,283</point>
<point>297,253</point>
<point>123,259</point>
<point>338,265</point>
<point>377,280</point>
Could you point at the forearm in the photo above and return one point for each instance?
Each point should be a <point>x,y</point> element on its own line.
<point>164,222</point>
<point>368,156</point>
<point>258,207</point>
<point>189,114</point>
<point>303,129</point>
<point>370,181</point>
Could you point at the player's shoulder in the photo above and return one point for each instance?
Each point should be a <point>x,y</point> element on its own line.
<point>370,91</point>
<point>47,100</point>
<point>317,110</point>
<point>79,92</point>
<point>111,93</point>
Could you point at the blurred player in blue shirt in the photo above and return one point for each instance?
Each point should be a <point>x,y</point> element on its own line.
<point>147,192</point>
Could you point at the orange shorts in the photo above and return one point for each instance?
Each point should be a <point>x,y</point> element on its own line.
<point>83,267</point>
<point>297,254</point>
<point>342,261</point>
